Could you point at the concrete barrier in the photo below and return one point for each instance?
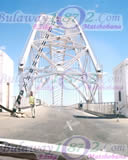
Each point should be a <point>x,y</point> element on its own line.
<point>105,108</point>
<point>99,109</point>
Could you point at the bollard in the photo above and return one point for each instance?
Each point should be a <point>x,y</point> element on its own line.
<point>80,105</point>
<point>117,111</point>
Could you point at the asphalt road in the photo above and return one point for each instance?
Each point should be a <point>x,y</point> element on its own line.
<point>56,124</point>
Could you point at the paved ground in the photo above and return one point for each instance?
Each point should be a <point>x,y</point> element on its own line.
<point>55,124</point>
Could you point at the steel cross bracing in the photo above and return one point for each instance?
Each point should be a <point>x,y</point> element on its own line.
<point>65,53</point>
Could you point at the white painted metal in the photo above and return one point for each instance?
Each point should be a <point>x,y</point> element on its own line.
<point>66,53</point>
<point>121,83</point>
<point>100,87</point>
<point>6,80</point>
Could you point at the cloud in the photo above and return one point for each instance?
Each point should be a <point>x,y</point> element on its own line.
<point>2,48</point>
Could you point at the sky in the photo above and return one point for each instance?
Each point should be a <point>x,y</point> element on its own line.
<point>109,46</point>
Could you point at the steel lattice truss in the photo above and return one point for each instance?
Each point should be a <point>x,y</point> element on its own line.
<point>54,51</point>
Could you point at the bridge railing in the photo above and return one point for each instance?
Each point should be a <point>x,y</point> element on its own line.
<point>103,108</point>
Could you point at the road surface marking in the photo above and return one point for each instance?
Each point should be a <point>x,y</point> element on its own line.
<point>69,126</point>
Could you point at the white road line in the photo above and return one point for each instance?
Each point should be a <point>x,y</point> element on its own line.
<point>69,126</point>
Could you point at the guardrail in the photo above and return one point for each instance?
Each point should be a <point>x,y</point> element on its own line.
<point>105,108</point>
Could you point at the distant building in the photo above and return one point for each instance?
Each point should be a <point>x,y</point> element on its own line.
<point>121,84</point>
<point>6,80</point>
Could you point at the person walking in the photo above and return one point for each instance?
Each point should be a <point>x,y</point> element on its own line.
<point>32,104</point>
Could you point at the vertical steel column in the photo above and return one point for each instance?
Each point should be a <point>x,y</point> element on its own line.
<point>100,87</point>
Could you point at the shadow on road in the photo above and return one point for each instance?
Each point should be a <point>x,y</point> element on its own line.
<point>91,117</point>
